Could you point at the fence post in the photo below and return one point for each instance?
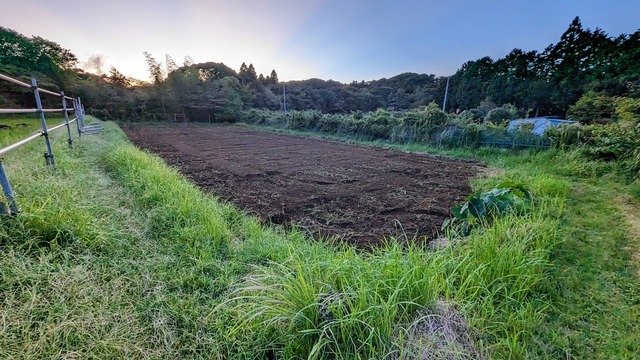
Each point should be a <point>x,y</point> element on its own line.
<point>66,119</point>
<point>8,193</point>
<point>81,112</point>
<point>77,113</point>
<point>48,156</point>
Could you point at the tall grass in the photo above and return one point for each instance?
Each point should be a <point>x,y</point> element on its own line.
<point>64,287</point>
<point>116,255</point>
<point>343,303</point>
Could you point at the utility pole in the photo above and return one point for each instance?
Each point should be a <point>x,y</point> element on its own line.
<point>284,98</point>
<point>446,92</point>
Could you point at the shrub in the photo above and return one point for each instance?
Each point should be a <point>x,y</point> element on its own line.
<point>433,116</point>
<point>501,114</point>
<point>618,142</point>
<point>565,136</point>
<point>378,124</point>
<point>592,108</point>
<point>481,206</point>
<point>628,110</point>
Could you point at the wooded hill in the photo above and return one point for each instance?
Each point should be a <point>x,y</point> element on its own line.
<point>547,82</point>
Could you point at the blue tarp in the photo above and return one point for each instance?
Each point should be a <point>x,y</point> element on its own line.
<point>540,124</point>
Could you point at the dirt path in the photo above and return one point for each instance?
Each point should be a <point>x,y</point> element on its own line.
<point>361,194</point>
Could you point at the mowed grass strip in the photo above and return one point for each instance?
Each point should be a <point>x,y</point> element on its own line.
<point>117,255</point>
<point>597,300</point>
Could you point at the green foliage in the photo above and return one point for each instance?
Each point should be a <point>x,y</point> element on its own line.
<point>619,142</point>
<point>117,78</point>
<point>562,137</point>
<point>501,115</point>
<point>163,270</point>
<point>546,83</point>
<point>592,108</point>
<point>34,54</point>
<point>634,190</point>
<point>432,116</point>
<point>156,73</point>
<point>616,143</point>
<point>428,126</point>
<point>378,124</point>
<point>627,110</point>
<point>550,81</point>
<point>482,206</point>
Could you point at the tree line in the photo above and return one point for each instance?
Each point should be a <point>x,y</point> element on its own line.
<point>582,67</point>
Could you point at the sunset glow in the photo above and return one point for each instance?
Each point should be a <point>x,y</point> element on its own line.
<point>345,41</point>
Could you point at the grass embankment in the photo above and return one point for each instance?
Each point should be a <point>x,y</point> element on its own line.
<point>116,255</point>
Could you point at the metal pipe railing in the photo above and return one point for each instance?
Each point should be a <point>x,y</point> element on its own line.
<point>8,192</point>
<point>61,125</point>
<point>78,110</point>
<point>15,81</point>
<point>31,111</point>
<point>48,157</point>
<point>66,119</point>
<point>48,92</point>
<point>16,145</point>
<point>18,111</point>
<point>6,149</point>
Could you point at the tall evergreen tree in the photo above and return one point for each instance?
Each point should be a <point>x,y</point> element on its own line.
<point>252,72</point>
<point>273,78</point>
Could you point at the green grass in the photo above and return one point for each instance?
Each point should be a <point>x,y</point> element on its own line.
<point>594,290</point>
<point>116,255</point>
<point>20,127</point>
<point>597,298</point>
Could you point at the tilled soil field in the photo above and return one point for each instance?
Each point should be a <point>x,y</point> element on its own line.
<point>359,194</point>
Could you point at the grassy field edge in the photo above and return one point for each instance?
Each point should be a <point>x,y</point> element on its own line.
<point>128,259</point>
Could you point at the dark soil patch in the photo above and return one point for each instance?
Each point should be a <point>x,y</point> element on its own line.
<point>361,194</point>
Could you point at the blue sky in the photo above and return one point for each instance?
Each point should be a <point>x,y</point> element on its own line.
<point>341,40</point>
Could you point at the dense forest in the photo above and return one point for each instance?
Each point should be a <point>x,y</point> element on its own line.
<point>585,67</point>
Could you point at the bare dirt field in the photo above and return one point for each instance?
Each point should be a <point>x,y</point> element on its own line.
<point>359,193</point>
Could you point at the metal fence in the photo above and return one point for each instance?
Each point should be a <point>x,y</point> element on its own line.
<point>77,109</point>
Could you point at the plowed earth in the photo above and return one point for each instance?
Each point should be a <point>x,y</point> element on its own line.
<point>359,194</point>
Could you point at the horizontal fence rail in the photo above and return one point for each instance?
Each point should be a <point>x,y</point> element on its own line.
<point>6,149</point>
<point>24,84</point>
<point>77,109</point>
<point>27,111</point>
<point>12,80</point>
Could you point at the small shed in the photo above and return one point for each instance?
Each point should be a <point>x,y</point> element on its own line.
<point>540,124</point>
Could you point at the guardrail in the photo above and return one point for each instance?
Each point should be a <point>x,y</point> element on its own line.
<point>78,110</point>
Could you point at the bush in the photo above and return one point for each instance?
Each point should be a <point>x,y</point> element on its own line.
<point>562,137</point>
<point>628,110</point>
<point>378,124</point>
<point>592,108</point>
<point>618,142</point>
<point>500,115</point>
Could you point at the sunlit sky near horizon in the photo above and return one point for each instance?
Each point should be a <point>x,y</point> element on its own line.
<point>330,39</point>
